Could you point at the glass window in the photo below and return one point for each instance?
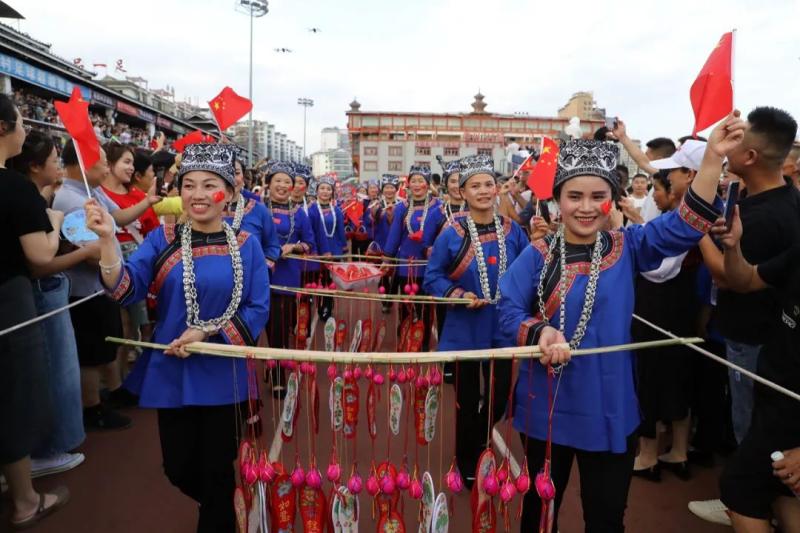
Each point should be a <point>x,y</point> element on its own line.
<point>492,124</point>
<point>355,121</point>
<point>396,151</point>
<point>386,121</point>
<point>370,150</point>
<point>451,152</point>
<point>398,122</point>
<point>370,165</point>
<point>453,123</point>
<point>440,122</point>
<point>425,121</point>
<point>472,123</point>
<point>411,121</point>
<point>423,150</point>
<point>485,151</point>
<point>504,124</point>
<point>369,122</point>
<point>395,166</point>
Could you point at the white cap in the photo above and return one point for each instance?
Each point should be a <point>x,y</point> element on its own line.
<point>689,155</point>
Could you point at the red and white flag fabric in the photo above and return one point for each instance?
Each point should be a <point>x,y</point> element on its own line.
<point>228,107</point>
<point>712,92</point>
<point>75,117</point>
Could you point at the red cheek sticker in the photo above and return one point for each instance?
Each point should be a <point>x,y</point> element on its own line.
<point>606,207</point>
<point>218,196</point>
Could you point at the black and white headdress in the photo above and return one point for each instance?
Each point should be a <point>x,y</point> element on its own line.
<point>390,179</point>
<point>423,171</point>
<point>449,167</point>
<point>280,167</point>
<point>583,157</point>
<point>473,165</point>
<point>216,158</point>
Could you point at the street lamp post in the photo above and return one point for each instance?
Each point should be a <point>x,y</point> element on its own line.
<point>255,8</point>
<point>306,103</point>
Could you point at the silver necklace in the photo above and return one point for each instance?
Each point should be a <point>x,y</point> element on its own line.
<point>189,281</point>
<point>322,218</point>
<point>591,286</point>
<point>238,213</point>
<point>291,221</point>
<point>477,249</point>
<point>411,210</point>
<point>448,212</point>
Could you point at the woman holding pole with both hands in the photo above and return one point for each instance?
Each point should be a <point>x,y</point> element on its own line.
<point>211,284</point>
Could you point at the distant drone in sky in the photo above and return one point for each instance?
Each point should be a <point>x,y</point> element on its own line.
<point>283,50</point>
<point>315,30</point>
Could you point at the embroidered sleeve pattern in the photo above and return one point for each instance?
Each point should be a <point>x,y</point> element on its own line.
<point>696,212</point>
<point>529,331</point>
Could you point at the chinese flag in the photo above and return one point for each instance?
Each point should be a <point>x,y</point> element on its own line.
<point>75,117</point>
<point>195,137</point>
<point>541,178</point>
<point>527,166</point>
<point>228,107</point>
<point>712,92</point>
<point>353,211</point>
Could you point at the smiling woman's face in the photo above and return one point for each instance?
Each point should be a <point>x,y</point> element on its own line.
<point>581,203</point>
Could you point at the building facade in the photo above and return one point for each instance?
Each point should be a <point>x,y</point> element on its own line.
<point>267,141</point>
<point>338,161</point>
<point>583,106</point>
<point>390,142</point>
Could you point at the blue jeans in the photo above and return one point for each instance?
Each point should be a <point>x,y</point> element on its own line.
<point>746,356</point>
<point>66,432</point>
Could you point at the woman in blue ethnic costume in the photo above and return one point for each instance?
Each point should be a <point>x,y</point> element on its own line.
<point>362,242</point>
<point>327,220</point>
<point>381,214</point>
<point>295,237</point>
<point>405,243</point>
<point>467,260</point>
<point>246,211</point>
<point>211,285</point>
<point>453,207</point>
<point>582,277</point>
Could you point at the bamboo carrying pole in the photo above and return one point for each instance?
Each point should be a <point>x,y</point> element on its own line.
<point>337,259</point>
<point>371,296</point>
<point>386,358</point>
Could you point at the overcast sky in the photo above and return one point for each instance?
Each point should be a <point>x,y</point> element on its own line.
<point>639,58</point>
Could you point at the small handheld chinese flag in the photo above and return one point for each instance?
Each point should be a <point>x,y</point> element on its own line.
<point>181,143</point>
<point>74,114</point>
<point>541,178</point>
<point>712,92</point>
<point>228,107</point>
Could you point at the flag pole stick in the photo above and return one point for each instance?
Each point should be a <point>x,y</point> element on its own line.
<point>733,67</point>
<point>83,170</point>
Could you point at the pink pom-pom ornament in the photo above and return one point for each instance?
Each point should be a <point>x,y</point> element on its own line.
<point>372,485</point>
<point>508,491</point>
<point>354,484</point>
<point>314,478</point>
<point>415,490</point>
<point>298,476</point>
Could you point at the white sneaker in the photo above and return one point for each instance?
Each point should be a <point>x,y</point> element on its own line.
<point>55,464</point>
<point>711,511</point>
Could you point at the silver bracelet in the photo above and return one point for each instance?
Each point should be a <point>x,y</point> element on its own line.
<point>108,268</point>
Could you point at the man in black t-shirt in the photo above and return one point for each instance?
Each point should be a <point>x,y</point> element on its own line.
<point>755,485</point>
<point>770,214</point>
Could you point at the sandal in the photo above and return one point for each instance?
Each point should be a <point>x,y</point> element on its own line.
<point>62,497</point>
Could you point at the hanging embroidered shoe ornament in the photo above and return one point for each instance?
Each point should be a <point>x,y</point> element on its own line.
<point>440,519</point>
<point>336,404</point>
<point>484,516</point>
<point>431,410</point>
<point>283,503</point>
<point>428,500</point>
<point>290,403</point>
<point>395,408</point>
<point>380,336</point>
<point>303,313</point>
<point>330,331</point>
<point>341,335</point>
